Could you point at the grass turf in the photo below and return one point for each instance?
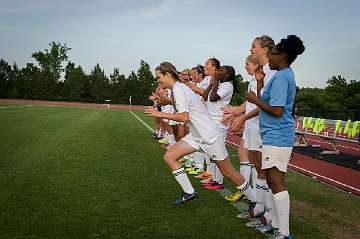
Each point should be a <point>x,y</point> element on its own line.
<point>70,172</point>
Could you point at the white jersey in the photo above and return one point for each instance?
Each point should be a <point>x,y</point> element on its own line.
<point>253,123</point>
<point>204,83</point>
<point>225,91</point>
<point>168,108</point>
<point>201,126</point>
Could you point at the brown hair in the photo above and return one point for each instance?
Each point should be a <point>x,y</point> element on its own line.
<point>215,62</point>
<point>265,42</point>
<point>252,59</point>
<point>167,67</point>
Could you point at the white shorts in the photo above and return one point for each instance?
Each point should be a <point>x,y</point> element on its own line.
<point>252,140</point>
<point>170,122</point>
<point>273,156</point>
<point>216,150</point>
<point>168,109</point>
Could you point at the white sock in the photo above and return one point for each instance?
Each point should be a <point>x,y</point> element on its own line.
<point>270,212</point>
<point>211,169</point>
<point>182,178</point>
<point>218,177</point>
<point>245,170</point>
<point>199,160</point>
<point>171,139</point>
<point>247,190</point>
<point>282,204</point>
<point>260,190</point>
<point>254,175</point>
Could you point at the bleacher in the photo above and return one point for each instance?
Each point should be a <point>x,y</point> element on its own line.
<point>340,131</point>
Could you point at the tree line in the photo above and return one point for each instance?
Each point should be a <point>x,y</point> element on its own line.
<point>339,99</point>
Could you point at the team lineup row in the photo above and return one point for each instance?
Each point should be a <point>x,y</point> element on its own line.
<point>193,110</point>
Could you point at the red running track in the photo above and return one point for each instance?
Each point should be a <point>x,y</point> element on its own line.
<point>345,178</point>
<point>336,175</point>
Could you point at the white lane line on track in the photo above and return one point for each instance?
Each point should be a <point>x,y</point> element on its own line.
<point>310,172</point>
<point>339,145</point>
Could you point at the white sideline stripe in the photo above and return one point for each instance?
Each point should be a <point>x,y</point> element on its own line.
<point>141,121</point>
<point>311,172</point>
<point>241,206</point>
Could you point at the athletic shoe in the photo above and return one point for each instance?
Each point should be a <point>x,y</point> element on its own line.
<point>186,197</point>
<point>154,135</point>
<point>203,175</point>
<point>236,196</point>
<point>214,185</point>
<point>188,169</point>
<point>196,171</point>
<point>249,214</point>
<point>163,141</point>
<point>279,235</point>
<point>268,228</point>
<point>205,181</point>
<point>256,222</point>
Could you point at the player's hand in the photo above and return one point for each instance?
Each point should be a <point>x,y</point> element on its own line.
<point>152,112</point>
<point>236,125</point>
<point>251,97</point>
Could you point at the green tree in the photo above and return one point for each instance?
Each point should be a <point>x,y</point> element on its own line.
<point>99,84</point>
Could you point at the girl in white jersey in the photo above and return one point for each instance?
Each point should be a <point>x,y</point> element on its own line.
<point>219,94</point>
<point>260,49</point>
<point>205,134</point>
<point>277,126</point>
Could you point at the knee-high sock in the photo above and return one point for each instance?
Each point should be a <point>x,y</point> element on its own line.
<point>211,169</point>
<point>182,178</point>
<point>199,160</point>
<point>245,170</point>
<point>218,177</point>
<point>254,175</point>
<point>282,204</point>
<point>248,191</point>
<point>270,211</point>
<point>260,191</point>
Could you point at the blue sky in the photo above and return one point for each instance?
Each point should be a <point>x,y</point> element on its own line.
<point>116,33</point>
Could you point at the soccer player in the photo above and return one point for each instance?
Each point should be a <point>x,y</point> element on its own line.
<point>277,126</point>
<point>205,134</point>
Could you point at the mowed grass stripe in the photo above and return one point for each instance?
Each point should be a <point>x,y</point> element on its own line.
<point>90,173</point>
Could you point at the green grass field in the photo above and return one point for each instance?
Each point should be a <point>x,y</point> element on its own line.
<point>68,172</point>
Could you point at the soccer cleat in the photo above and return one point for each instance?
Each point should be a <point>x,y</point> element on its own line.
<point>205,181</point>
<point>163,141</point>
<point>196,171</point>
<point>186,197</point>
<point>249,214</point>
<point>256,222</point>
<point>214,185</point>
<point>279,235</point>
<point>268,228</point>
<point>188,169</point>
<point>236,196</point>
<point>203,175</point>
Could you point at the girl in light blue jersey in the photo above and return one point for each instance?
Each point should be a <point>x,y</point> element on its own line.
<point>277,125</point>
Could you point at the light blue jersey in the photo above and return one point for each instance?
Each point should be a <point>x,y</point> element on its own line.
<point>279,91</point>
